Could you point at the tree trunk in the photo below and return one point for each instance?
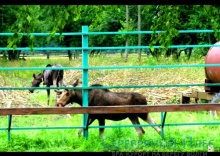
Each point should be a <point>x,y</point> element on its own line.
<point>70,55</point>
<point>139,29</point>
<point>13,54</point>
<point>48,55</point>
<point>127,28</point>
<point>5,55</point>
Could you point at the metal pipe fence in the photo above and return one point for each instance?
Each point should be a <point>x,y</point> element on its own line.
<point>85,77</point>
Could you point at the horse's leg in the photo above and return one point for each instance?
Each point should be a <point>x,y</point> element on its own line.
<point>58,83</point>
<point>61,82</point>
<point>48,96</point>
<point>90,121</point>
<point>134,120</point>
<point>147,118</point>
<point>55,84</point>
<point>141,128</point>
<point>101,130</point>
<point>150,120</point>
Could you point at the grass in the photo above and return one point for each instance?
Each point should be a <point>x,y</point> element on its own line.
<point>177,138</point>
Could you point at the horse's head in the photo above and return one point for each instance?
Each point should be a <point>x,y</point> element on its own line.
<point>66,96</point>
<point>36,81</point>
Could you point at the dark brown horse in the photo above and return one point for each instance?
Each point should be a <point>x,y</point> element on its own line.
<point>105,97</point>
<point>49,78</point>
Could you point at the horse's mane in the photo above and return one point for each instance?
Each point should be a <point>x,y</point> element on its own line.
<point>97,84</point>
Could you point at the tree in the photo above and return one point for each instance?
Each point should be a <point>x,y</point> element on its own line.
<point>127,37</point>
<point>139,29</point>
<point>167,20</point>
<point>17,19</point>
<point>60,18</point>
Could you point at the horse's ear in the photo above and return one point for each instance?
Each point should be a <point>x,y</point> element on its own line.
<point>76,83</point>
<point>58,92</point>
<point>48,65</point>
<point>34,75</point>
<point>41,75</point>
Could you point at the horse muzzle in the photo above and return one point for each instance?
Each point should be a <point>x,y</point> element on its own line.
<point>59,104</point>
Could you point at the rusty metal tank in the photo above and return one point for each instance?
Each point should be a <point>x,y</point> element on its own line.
<point>213,57</point>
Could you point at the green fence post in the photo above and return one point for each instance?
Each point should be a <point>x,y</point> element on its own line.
<point>163,122</point>
<point>163,117</point>
<point>9,126</point>
<point>85,76</point>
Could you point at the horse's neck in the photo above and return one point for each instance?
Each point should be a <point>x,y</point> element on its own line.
<point>78,97</point>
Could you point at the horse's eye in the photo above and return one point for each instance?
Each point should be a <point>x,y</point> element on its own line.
<point>67,94</point>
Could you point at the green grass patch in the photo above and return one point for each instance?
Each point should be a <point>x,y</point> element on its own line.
<point>185,138</point>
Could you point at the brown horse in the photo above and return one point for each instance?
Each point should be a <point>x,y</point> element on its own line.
<point>49,78</point>
<point>105,97</point>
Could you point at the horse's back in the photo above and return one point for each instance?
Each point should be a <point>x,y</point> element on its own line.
<point>57,65</point>
<point>58,74</point>
<point>50,75</point>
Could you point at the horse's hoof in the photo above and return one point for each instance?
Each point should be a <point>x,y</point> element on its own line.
<point>159,131</point>
<point>79,133</point>
<point>140,136</point>
<point>68,116</point>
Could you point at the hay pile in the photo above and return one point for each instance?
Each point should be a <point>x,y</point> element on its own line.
<point>22,98</point>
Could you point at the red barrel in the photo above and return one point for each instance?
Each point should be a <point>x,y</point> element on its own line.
<point>213,57</point>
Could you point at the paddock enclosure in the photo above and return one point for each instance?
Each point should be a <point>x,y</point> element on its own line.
<point>162,108</point>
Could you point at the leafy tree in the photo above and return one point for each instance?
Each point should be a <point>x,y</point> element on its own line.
<point>139,29</point>
<point>70,18</point>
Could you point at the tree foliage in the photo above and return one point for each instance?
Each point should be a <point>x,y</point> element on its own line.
<point>70,18</point>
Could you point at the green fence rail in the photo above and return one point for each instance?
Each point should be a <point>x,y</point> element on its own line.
<point>107,33</point>
<point>85,68</point>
